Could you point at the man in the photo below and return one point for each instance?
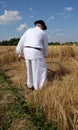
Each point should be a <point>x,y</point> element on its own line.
<point>35,44</point>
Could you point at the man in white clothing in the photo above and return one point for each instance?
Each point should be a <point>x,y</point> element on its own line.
<point>35,44</point>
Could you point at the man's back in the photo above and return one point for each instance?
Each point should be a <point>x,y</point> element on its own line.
<point>34,37</point>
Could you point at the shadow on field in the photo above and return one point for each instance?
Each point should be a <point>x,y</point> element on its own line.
<point>56,74</point>
<point>10,68</point>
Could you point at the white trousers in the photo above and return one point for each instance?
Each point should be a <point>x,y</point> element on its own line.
<point>36,73</point>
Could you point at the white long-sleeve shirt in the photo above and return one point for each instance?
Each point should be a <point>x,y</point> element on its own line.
<point>33,37</point>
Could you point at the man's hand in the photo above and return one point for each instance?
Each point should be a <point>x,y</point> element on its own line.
<point>19,57</point>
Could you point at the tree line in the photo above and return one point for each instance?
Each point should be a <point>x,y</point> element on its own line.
<point>11,42</point>
<point>14,42</point>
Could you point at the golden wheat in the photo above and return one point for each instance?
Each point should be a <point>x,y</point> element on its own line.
<point>59,98</point>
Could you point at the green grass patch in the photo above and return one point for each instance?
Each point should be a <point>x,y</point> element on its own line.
<point>14,109</point>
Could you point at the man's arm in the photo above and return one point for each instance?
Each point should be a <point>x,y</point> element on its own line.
<point>45,46</point>
<point>19,47</point>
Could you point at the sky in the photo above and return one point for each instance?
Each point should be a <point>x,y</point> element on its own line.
<point>60,16</point>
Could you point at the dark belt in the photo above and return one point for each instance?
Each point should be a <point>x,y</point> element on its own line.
<point>33,47</point>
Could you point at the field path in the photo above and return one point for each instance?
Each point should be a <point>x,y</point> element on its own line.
<point>13,115</point>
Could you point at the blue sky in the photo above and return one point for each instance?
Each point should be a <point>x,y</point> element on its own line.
<point>60,16</point>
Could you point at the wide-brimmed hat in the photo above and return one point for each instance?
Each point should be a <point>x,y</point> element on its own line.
<point>42,23</point>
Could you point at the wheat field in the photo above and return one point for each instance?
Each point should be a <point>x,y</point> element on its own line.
<point>59,97</point>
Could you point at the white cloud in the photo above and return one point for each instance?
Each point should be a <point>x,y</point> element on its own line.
<point>60,34</point>
<point>21,27</point>
<point>50,18</point>
<point>56,35</point>
<point>9,17</point>
<point>64,15</point>
<point>69,8</point>
<point>61,13</point>
<point>31,16</point>
<point>70,36</point>
<point>30,9</point>
<point>57,30</point>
